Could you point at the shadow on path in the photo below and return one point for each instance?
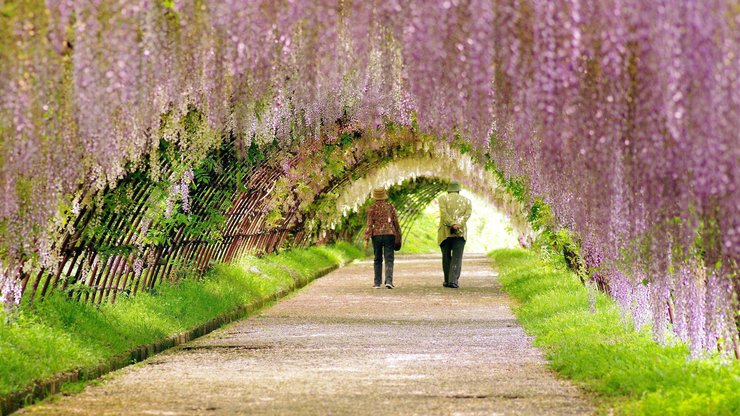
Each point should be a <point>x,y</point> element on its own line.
<point>340,347</point>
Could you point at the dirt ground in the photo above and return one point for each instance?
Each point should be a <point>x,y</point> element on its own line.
<point>339,347</point>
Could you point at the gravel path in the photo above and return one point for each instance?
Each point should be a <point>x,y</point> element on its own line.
<point>340,347</point>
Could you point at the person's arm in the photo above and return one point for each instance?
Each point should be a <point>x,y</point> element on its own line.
<point>468,211</point>
<point>369,226</point>
<point>444,213</point>
<point>395,219</point>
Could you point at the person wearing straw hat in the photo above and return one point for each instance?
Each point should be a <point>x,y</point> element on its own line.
<point>454,211</point>
<point>382,222</point>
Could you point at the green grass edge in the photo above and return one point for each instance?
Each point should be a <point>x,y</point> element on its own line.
<point>600,350</point>
<point>60,336</point>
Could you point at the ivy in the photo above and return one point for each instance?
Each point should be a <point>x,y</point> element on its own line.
<point>539,215</point>
<point>346,139</point>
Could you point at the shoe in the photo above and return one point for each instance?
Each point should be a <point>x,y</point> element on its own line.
<point>389,285</point>
<point>454,286</point>
<point>376,287</point>
<point>446,284</point>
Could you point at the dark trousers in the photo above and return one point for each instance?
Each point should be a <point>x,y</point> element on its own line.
<point>383,248</point>
<point>452,253</point>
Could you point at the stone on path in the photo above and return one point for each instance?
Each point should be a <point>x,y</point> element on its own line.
<point>340,347</point>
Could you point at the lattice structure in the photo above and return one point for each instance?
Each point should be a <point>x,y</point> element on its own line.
<point>102,257</point>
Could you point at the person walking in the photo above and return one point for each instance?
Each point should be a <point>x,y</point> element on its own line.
<point>382,223</point>
<point>454,212</point>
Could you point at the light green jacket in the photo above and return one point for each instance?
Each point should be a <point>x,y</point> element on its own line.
<point>453,209</point>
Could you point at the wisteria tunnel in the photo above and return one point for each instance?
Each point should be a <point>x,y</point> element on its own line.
<point>234,206</point>
<point>142,141</point>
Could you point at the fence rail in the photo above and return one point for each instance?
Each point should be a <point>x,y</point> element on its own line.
<point>102,257</point>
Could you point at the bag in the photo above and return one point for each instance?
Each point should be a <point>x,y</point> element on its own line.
<point>397,234</point>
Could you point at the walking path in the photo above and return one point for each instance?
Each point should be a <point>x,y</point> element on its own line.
<point>340,347</point>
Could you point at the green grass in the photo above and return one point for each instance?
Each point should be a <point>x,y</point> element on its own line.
<point>60,335</point>
<point>604,354</point>
<point>422,237</point>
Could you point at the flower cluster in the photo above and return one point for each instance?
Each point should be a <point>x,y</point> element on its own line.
<point>10,289</point>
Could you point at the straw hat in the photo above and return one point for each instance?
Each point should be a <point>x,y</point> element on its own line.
<point>379,193</point>
<point>453,187</point>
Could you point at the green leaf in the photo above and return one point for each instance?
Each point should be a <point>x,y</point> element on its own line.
<point>168,4</point>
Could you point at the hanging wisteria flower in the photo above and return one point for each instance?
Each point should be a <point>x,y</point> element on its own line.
<point>138,266</point>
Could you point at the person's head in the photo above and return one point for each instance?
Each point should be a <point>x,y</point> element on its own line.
<point>379,194</point>
<point>453,187</point>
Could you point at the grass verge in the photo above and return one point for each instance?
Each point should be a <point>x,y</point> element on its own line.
<point>62,335</point>
<point>602,352</point>
<point>422,236</point>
